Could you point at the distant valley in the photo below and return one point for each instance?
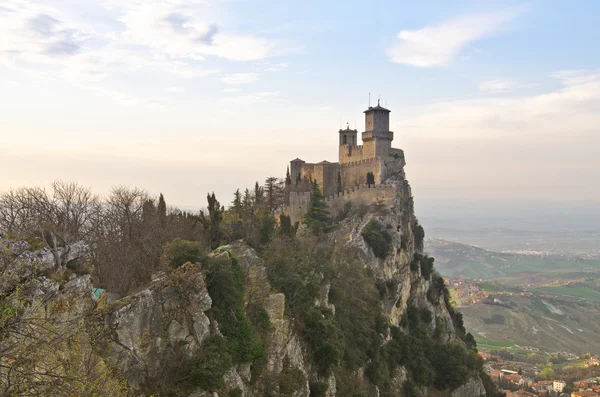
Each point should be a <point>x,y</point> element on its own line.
<point>525,301</point>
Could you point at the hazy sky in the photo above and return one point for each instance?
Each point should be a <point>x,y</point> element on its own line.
<point>491,101</point>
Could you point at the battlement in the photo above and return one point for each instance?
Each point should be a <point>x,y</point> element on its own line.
<point>381,193</point>
<point>361,189</point>
<point>360,162</point>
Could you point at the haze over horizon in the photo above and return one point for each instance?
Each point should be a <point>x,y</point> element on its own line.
<point>495,106</point>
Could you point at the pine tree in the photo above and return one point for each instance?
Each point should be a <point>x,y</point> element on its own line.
<point>247,202</point>
<point>236,204</point>
<point>317,216</point>
<point>288,177</point>
<point>258,195</point>
<point>162,211</point>
<point>274,192</point>
<point>212,221</point>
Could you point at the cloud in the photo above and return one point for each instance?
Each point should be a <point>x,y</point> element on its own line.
<point>240,78</point>
<point>275,67</point>
<point>252,98</point>
<point>176,89</point>
<point>179,30</point>
<point>230,90</point>
<point>437,45</point>
<point>500,86</point>
<point>540,147</point>
<point>173,37</point>
<point>31,33</point>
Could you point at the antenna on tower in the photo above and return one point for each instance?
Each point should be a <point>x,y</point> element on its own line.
<point>369,99</point>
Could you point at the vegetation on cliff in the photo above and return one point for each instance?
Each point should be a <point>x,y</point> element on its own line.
<point>335,302</point>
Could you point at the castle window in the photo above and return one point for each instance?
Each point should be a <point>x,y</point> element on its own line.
<point>344,139</point>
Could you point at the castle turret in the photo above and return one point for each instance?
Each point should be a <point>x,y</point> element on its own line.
<point>296,169</point>
<point>348,136</point>
<point>377,138</point>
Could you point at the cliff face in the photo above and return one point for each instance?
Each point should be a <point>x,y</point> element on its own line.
<point>148,336</point>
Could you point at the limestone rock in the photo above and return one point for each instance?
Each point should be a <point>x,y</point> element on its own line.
<point>473,388</point>
<point>164,321</point>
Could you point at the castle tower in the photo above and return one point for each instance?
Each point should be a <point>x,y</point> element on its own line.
<point>348,136</point>
<point>296,169</point>
<point>377,138</point>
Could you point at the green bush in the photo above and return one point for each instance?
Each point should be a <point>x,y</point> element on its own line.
<point>290,380</point>
<point>318,389</point>
<point>207,370</point>
<point>237,392</point>
<point>426,267</point>
<point>378,238</point>
<point>179,251</point>
<point>225,284</point>
<point>419,233</point>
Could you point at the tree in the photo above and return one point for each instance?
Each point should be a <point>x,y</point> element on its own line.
<point>162,211</point>
<point>285,226</point>
<point>236,204</point>
<point>258,195</point>
<point>317,216</point>
<point>247,202</point>
<point>212,221</point>
<point>274,190</point>
<point>67,215</point>
<point>179,251</point>
<point>547,372</point>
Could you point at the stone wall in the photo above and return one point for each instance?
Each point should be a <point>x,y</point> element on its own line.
<point>326,175</point>
<point>297,206</point>
<point>355,173</point>
<point>383,193</point>
<point>349,153</point>
<point>300,201</point>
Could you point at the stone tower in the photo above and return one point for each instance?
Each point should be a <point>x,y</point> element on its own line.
<point>377,138</point>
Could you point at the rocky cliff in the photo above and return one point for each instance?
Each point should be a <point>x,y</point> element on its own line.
<point>151,338</point>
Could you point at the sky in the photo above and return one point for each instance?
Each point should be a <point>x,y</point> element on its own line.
<point>494,103</point>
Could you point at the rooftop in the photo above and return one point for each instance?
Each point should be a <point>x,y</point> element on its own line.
<point>376,108</point>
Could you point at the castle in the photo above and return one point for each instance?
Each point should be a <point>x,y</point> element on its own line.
<point>367,165</point>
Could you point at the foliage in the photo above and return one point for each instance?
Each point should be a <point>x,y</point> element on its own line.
<point>419,233</point>
<point>285,226</point>
<point>237,392</point>
<point>378,238</point>
<point>426,266</point>
<point>207,369</point>
<point>318,389</point>
<point>290,380</point>
<point>212,221</point>
<point>317,217</point>
<point>179,251</point>
<point>547,372</point>
<point>49,348</point>
<point>225,284</point>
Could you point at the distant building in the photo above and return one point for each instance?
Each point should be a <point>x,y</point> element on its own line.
<point>584,393</point>
<point>558,386</point>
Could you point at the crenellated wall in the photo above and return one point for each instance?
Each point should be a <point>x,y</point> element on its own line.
<point>348,153</point>
<point>355,173</point>
<point>300,201</point>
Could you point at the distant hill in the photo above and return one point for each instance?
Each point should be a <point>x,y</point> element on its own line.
<point>548,302</point>
<point>515,268</point>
